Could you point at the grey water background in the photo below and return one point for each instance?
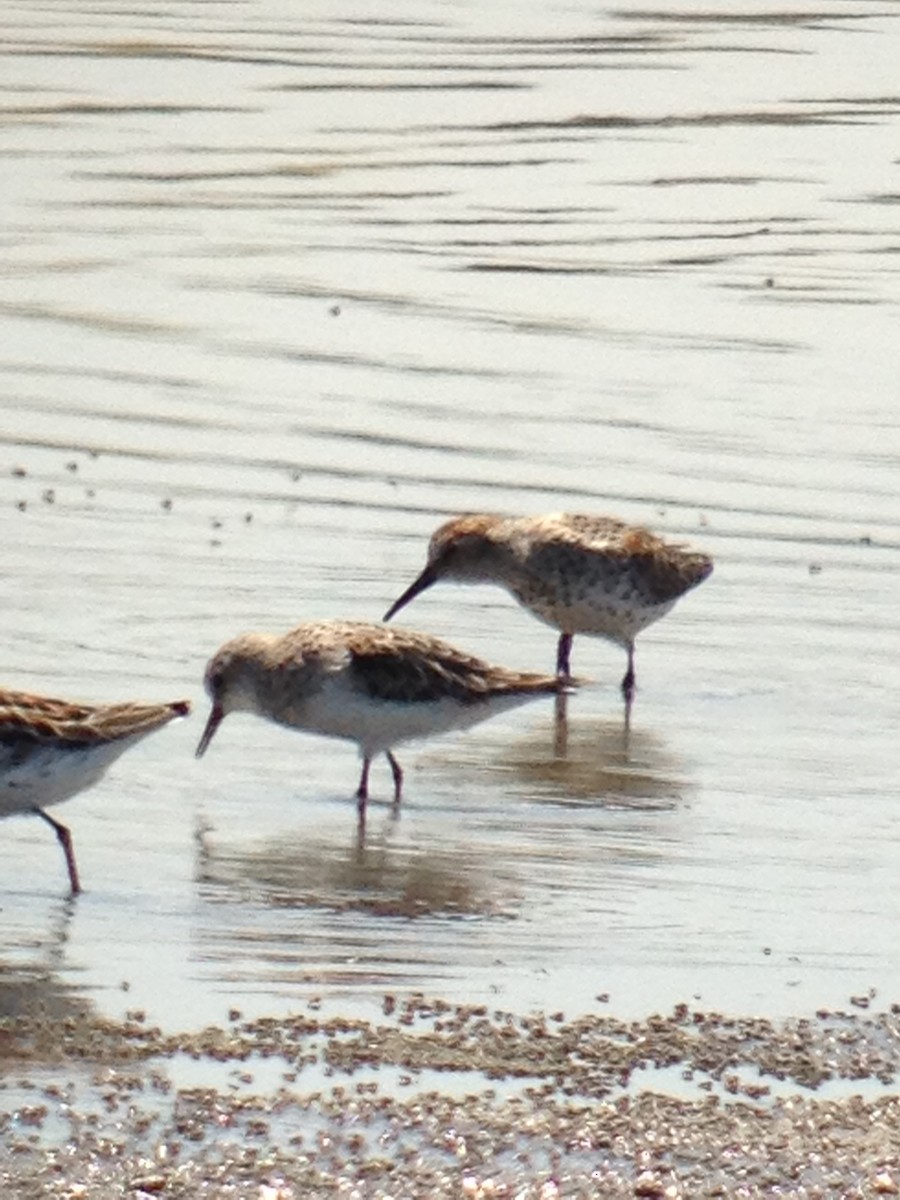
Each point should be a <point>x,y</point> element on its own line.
<point>283,286</point>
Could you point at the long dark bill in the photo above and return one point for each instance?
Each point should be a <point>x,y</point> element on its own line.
<point>215,720</point>
<point>425,580</point>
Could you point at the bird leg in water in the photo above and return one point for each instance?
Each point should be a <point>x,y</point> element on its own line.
<point>628,685</point>
<point>562,655</point>
<point>65,840</point>
<point>397,773</point>
<point>362,792</point>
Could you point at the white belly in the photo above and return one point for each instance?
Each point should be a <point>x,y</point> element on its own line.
<point>605,616</point>
<point>47,775</point>
<point>377,725</point>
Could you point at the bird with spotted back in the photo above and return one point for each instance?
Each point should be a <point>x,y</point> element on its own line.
<point>51,749</point>
<point>579,573</point>
<point>374,686</point>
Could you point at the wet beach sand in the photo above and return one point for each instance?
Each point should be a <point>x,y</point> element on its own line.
<point>445,1100</point>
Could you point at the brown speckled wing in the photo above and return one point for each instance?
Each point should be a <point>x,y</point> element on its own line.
<point>30,718</point>
<point>668,576</point>
<point>412,668</point>
<point>588,530</point>
<point>658,571</point>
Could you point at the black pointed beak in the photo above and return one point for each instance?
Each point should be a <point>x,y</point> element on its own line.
<point>215,720</point>
<point>425,580</point>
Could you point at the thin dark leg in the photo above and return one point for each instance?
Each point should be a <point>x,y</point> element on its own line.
<point>628,684</point>
<point>397,773</point>
<point>65,840</point>
<point>562,655</point>
<point>362,792</point>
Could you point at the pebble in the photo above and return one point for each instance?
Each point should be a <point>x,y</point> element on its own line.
<point>579,1111</point>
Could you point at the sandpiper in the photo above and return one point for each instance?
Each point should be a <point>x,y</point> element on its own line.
<point>374,686</point>
<point>580,574</point>
<point>51,749</point>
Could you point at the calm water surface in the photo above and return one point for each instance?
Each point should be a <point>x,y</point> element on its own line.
<point>279,292</point>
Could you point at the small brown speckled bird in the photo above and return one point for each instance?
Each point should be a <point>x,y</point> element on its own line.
<point>374,686</point>
<point>51,749</point>
<point>580,574</point>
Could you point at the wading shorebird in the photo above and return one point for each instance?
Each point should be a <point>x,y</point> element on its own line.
<point>580,574</point>
<point>51,749</point>
<point>374,686</point>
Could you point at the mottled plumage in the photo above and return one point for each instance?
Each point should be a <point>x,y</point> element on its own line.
<point>51,749</point>
<point>374,686</point>
<point>578,573</point>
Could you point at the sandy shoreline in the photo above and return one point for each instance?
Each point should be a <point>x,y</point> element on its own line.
<point>446,1100</point>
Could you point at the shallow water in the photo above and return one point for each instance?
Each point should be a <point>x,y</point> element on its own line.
<point>277,296</point>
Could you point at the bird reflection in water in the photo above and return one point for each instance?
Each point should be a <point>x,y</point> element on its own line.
<point>604,762</point>
<point>32,987</point>
<point>367,874</point>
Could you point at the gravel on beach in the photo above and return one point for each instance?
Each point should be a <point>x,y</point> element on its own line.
<point>443,1100</point>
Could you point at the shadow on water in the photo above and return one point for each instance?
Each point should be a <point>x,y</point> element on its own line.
<point>30,985</point>
<point>288,915</point>
<point>505,829</point>
<point>372,875</point>
<point>37,993</point>
<point>599,763</point>
<point>503,823</point>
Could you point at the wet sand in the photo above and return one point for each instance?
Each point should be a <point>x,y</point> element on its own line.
<point>536,1106</point>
